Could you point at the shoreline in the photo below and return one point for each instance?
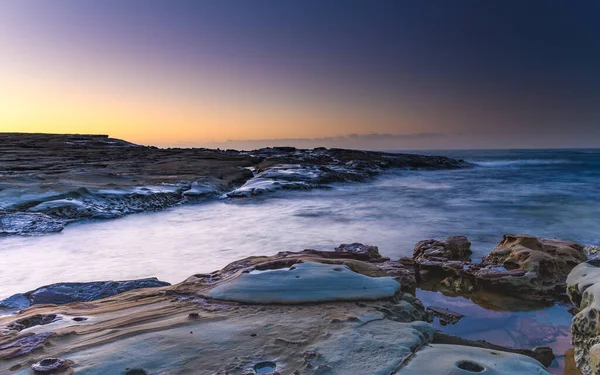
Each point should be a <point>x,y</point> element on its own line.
<point>50,181</point>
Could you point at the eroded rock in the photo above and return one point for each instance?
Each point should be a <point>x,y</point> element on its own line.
<point>307,282</point>
<point>24,345</point>
<point>52,365</point>
<point>31,321</point>
<point>547,258</point>
<point>521,265</point>
<point>583,287</point>
<point>63,293</point>
<point>459,360</point>
<point>452,248</point>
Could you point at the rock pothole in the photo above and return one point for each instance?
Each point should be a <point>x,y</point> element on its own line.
<point>266,367</point>
<point>470,366</point>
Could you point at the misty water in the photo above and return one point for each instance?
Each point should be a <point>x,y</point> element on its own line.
<point>544,193</point>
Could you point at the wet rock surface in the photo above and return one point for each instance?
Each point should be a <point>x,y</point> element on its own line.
<point>50,180</point>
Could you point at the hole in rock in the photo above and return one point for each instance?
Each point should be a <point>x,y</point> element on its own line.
<point>136,371</point>
<point>35,320</point>
<point>266,367</point>
<point>470,366</point>
<point>79,319</point>
<point>48,361</point>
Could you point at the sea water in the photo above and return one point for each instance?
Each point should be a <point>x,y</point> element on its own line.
<point>550,193</point>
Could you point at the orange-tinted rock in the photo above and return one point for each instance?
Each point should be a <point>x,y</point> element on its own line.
<point>546,257</point>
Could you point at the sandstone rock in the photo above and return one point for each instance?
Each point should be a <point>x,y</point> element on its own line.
<point>361,252</point>
<point>583,287</point>
<point>522,266</point>
<point>304,283</point>
<point>31,321</point>
<point>592,251</point>
<point>24,345</point>
<point>437,359</point>
<point>63,293</point>
<point>52,365</point>
<point>342,329</point>
<point>542,354</point>
<point>594,359</point>
<point>547,258</point>
<point>374,348</point>
<point>452,248</point>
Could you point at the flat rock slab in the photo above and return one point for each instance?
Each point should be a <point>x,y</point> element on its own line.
<point>295,338</point>
<point>375,348</point>
<point>438,359</point>
<point>305,283</point>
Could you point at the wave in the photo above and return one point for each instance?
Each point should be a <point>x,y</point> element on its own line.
<point>520,162</point>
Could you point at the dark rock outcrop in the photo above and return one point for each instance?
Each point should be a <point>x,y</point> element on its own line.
<point>50,180</point>
<point>63,293</point>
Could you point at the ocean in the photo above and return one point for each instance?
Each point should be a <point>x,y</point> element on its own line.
<point>549,193</point>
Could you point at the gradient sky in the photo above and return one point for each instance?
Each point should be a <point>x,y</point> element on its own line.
<point>365,74</point>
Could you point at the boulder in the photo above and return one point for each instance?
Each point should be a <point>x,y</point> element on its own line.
<point>583,287</point>
<point>547,258</point>
<point>452,248</point>
<point>361,252</point>
<point>521,265</point>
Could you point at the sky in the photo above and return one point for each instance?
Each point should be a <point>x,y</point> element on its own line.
<point>419,74</point>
